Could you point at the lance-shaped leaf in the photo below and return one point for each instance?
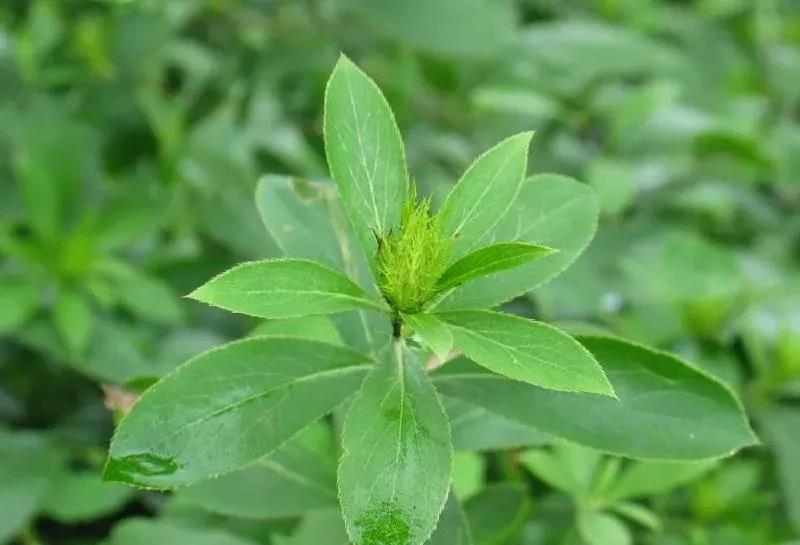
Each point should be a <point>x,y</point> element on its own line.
<point>365,153</point>
<point>433,332</point>
<point>228,407</point>
<point>490,259</point>
<point>307,221</point>
<point>526,350</point>
<point>665,408</point>
<point>552,210</point>
<point>395,470</point>
<point>284,288</point>
<point>485,192</point>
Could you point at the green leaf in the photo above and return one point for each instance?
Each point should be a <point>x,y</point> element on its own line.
<point>601,529</point>
<point>526,350</point>
<point>557,467</point>
<point>780,425</point>
<point>475,428</point>
<point>51,163</point>
<point>320,527</point>
<point>228,407</point>
<point>307,221</point>
<point>365,153</point>
<point>575,52</point>
<point>648,478</point>
<point>149,298</point>
<point>469,473</point>
<point>433,332</point>
<point>316,328</point>
<point>550,210</point>
<point>82,496</point>
<point>303,470</point>
<point>485,193</point>
<point>665,408</point>
<point>394,474</point>
<point>497,513</point>
<point>283,288</point>
<point>136,531</point>
<point>28,466</point>
<point>453,527</point>
<point>490,259</point>
<point>74,321</point>
<point>446,27</point>
<point>639,514</point>
<point>19,300</point>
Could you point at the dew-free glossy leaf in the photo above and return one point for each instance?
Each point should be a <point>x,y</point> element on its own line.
<point>485,193</point>
<point>299,477</point>
<point>665,408</point>
<point>394,475</point>
<point>228,407</point>
<point>433,332</point>
<point>550,210</point>
<point>283,288</point>
<point>490,259</point>
<point>526,350</point>
<point>365,153</point>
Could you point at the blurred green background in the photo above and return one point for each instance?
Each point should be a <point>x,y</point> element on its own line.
<point>133,133</point>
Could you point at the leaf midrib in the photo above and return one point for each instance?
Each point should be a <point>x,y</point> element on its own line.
<point>265,393</point>
<point>517,350</point>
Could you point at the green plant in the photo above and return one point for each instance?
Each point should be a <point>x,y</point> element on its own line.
<point>420,284</point>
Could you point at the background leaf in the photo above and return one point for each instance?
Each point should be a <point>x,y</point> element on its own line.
<point>477,27</point>
<point>145,531</point>
<point>497,514</point>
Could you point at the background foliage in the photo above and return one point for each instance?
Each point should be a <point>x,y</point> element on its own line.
<point>132,135</point>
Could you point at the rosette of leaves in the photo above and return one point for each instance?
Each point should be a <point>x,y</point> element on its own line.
<point>400,281</point>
